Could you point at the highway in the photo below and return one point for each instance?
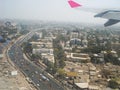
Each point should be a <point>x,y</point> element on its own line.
<point>35,75</point>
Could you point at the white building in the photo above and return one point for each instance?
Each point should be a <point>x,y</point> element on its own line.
<point>43,51</point>
<point>1,56</point>
<point>83,86</point>
<point>74,35</point>
<point>42,44</point>
<point>85,43</point>
<point>39,34</point>
<point>78,57</point>
<point>49,58</point>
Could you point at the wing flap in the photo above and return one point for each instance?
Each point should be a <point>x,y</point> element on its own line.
<point>113,17</point>
<point>111,22</point>
<point>110,14</point>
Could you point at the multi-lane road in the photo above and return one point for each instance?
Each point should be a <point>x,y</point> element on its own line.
<point>34,74</point>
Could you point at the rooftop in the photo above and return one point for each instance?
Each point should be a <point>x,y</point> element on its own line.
<point>82,85</point>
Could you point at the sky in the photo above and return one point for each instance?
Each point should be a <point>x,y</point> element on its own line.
<point>55,10</point>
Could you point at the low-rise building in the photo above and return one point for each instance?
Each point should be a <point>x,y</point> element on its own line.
<point>1,56</point>
<point>38,34</point>
<point>93,87</point>
<point>42,44</point>
<point>48,58</point>
<point>78,57</point>
<point>82,86</point>
<point>43,51</point>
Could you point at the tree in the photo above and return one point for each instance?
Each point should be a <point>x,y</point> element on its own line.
<point>74,49</point>
<point>27,47</point>
<point>110,58</point>
<point>51,68</point>
<point>119,39</point>
<point>59,54</point>
<point>36,56</point>
<point>113,84</point>
<point>61,73</point>
<point>24,32</point>
<point>93,49</point>
<point>105,73</point>
<point>62,63</point>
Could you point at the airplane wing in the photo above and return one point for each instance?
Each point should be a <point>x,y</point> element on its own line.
<point>113,16</point>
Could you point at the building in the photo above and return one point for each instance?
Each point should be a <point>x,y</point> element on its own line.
<point>74,34</point>
<point>75,41</point>
<point>78,57</point>
<point>114,53</point>
<point>93,87</point>
<point>1,56</point>
<point>38,34</point>
<point>42,44</point>
<point>43,51</point>
<point>48,58</point>
<point>82,86</point>
<point>84,43</point>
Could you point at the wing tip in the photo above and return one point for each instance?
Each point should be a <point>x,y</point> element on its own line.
<point>73,4</point>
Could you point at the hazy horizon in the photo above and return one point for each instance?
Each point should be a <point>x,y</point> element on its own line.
<point>54,10</point>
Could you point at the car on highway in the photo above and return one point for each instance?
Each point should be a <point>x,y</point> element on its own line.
<point>38,85</point>
<point>28,79</point>
<point>44,77</point>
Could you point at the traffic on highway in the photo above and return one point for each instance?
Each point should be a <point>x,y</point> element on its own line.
<point>34,75</point>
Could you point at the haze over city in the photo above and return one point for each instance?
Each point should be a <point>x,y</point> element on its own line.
<point>52,10</point>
